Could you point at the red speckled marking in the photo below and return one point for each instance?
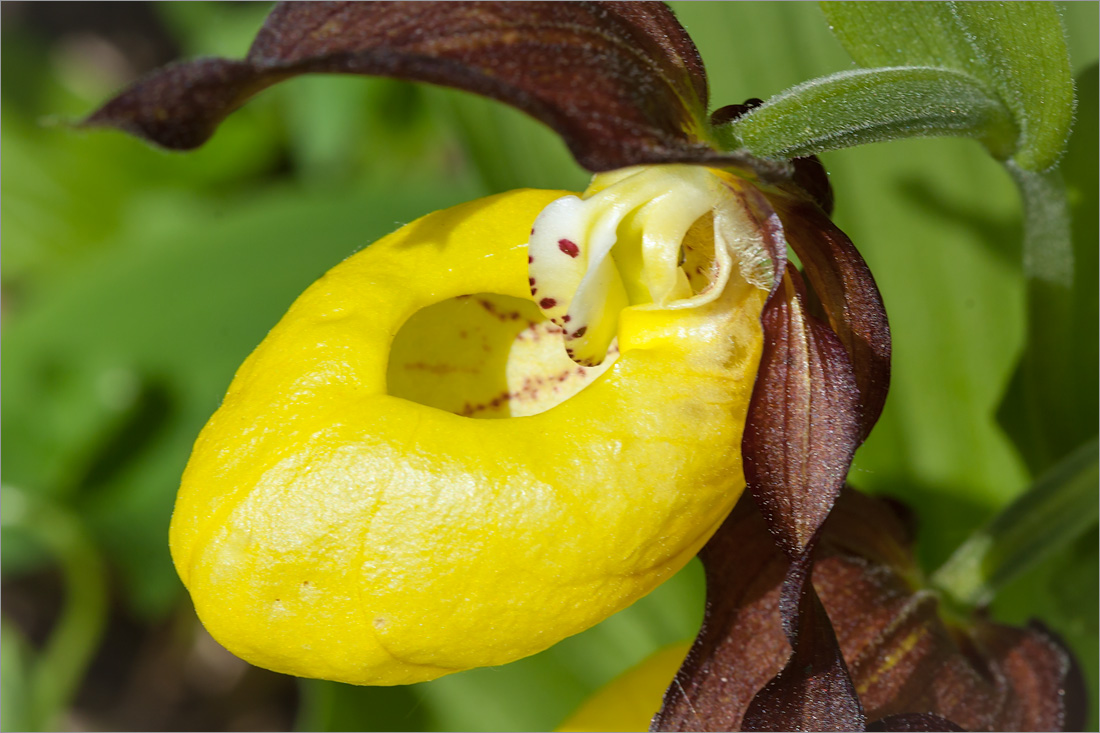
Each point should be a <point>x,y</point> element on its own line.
<point>499,315</point>
<point>568,247</point>
<point>547,303</point>
<point>566,318</point>
<point>421,366</point>
<point>530,259</point>
<point>580,332</point>
<point>530,281</point>
<point>532,231</point>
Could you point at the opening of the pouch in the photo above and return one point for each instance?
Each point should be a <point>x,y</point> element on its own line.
<point>485,356</point>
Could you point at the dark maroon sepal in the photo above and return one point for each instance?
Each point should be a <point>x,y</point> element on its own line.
<point>814,691</point>
<point>904,659</point>
<point>731,112</point>
<point>848,294</point>
<point>802,428</point>
<point>913,723</point>
<point>811,179</point>
<point>621,82</point>
<point>181,105</point>
<point>741,644</point>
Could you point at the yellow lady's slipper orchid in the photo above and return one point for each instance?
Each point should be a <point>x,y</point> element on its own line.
<point>410,476</point>
<point>508,420</point>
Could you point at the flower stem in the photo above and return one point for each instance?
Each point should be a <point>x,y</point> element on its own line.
<point>1048,249</point>
<point>1054,511</point>
<point>59,668</point>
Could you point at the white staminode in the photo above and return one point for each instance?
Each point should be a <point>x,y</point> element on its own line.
<point>626,242</point>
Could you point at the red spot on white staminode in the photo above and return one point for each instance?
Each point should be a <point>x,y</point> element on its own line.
<point>568,247</point>
<point>547,303</point>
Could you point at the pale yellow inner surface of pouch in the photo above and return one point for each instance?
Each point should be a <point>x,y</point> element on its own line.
<point>346,515</point>
<point>485,356</point>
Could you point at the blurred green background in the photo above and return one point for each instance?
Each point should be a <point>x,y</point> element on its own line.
<point>135,281</point>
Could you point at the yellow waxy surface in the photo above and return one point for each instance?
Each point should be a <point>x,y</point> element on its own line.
<point>328,528</point>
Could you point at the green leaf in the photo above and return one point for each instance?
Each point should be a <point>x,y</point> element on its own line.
<point>901,34</point>
<point>1059,507</point>
<point>1016,50</point>
<point>873,105</point>
<point>1021,47</point>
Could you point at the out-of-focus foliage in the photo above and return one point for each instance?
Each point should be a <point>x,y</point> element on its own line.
<point>135,281</point>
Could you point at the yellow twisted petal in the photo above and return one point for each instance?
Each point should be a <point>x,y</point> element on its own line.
<point>346,515</point>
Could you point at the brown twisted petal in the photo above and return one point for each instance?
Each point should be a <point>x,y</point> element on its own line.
<point>800,436</point>
<point>801,431</point>
<point>847,292</point>
<point>809,410</point>
<point>798,444</point>
<point>814,690</point>
<point>903,657</point>
<point>622,83</point>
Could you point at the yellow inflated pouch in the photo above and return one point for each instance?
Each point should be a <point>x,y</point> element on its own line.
<point>412,476</point>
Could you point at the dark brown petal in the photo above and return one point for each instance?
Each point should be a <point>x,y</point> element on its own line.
<point>1043,686</point>
<point>813,692</point>
<point>802,426</point>
<point>181,105</point>
<point>741,647</point>
<point>847,291</point>
<point>622,83</point>
<point>800,436</point>
<point>901,654</point>
<point>905,661</point>
<point>913,723</point>
<point>731,112</point>
<point>741,644</point>
<point>811,179</point>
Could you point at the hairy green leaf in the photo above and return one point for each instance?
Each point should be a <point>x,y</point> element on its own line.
<point>1016,50</point>
<point>873,105</point>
